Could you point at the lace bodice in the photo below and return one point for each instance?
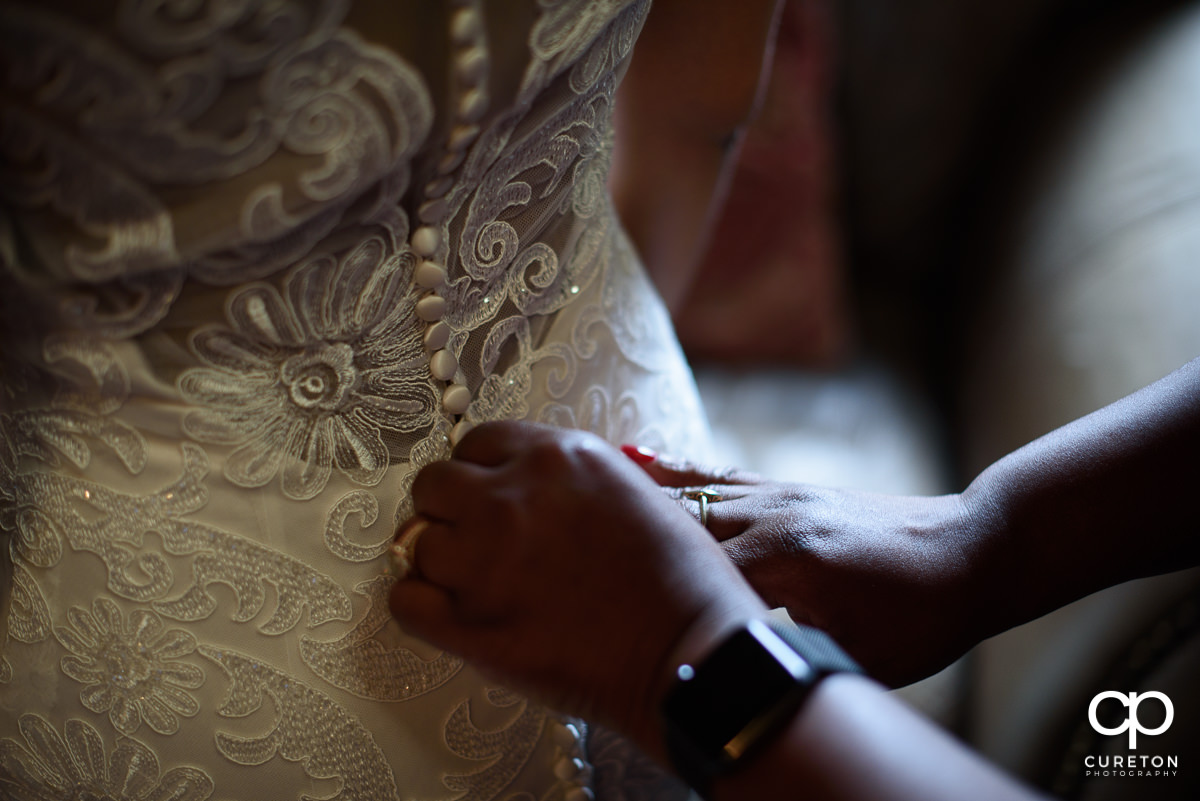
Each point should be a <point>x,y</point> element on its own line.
<point>261,261</point>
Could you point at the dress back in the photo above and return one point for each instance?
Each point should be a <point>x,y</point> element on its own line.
<point>261,261</point>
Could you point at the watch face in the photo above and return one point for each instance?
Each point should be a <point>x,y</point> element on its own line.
<point>746,677</point>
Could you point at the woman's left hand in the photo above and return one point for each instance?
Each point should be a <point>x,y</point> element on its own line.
<point>895,579</point>
<point>550,561</point>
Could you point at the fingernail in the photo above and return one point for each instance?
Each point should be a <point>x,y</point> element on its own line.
<point>639,454</point>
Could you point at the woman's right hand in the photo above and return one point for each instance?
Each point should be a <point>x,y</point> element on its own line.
<point>551,563</point>
<point>891,578</point>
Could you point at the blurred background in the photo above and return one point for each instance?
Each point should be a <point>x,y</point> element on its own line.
<point>954,227</point>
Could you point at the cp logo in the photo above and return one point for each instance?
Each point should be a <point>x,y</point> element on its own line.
<point>1131,700</point>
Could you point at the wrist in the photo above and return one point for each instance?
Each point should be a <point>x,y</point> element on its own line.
<point>725,709</point>
<point>697,639</point>
<point>702,636</point>
<point>991,564</point>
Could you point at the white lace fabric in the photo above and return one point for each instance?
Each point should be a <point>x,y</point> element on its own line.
<point>217,381</point>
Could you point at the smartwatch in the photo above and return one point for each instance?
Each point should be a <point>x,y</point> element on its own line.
<point>721,710</point>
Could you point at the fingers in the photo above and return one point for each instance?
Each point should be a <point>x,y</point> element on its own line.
<point>443,490</point>
<point>442,554</point>
<point>722,523</point>
<point>669,472</point>
<point>716,507</point>
<point>425,610</point>
<point>438,557</point>
<point>729,516</point>
<point>492,444</point>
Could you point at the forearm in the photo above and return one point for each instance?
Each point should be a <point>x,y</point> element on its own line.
<point>693,86</point>
<point>852,741</point>
<point>669,191</point>
<point>656,592</point>
<point>1100,501</point>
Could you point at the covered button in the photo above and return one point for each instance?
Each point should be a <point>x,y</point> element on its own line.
<point>430,275</point>
<point>432,211</point>
<point>566,735</point>
<point>425,240</point>
<point>568,768</point>
<point>456,399</point>
<point>443,365</point>
<point>459,431</point>
<point>473,104</point>
<point>431,308</point>
<point>437,336</point>
<point>465,26</point>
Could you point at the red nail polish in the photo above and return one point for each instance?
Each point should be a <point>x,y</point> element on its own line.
<point>639,454</point>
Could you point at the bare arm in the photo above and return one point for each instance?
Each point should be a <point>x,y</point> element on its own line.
<point>648,588</point>
<point>1105,499</point>
<point>852,741</point>
<point>907,584</point>
<point>694,84</point>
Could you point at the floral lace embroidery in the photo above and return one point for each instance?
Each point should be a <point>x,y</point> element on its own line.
<point>505,750</point>
<point>366,507</point>
<point>89,384</point>
<point>318,374</point>
<point>120,522</point>
<point>567,29</point>
<point>166,105</point>
<point>28,615</point>
<point>639,336</point>
<point>73,765</point>
<point>130,668</point>
<point>314,375</point>
<point>359,663</point>
<point>309,726</point>
<point>531,184</point>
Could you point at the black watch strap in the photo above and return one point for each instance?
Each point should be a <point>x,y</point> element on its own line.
<point>723,709</point>
<point>817,647</point>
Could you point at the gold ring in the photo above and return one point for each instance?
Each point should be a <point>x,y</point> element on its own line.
<point>704,498</point>
<point>403,550</point>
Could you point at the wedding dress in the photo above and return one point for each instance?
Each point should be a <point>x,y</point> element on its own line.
<point>261,261</point>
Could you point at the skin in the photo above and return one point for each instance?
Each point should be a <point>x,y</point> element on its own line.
<point>649,588</point>
<point>679,130</point>
<point>890,577</point>
<point>908,584</point>
<point>491,572</point>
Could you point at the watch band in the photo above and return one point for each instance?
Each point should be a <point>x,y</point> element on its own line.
<point>817,648</point>
<point>723,709</point>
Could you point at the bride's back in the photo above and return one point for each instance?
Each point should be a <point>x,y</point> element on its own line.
<point>262,261</point>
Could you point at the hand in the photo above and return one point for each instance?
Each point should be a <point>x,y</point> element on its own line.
<point>551,562</point>
<point>889,577</point>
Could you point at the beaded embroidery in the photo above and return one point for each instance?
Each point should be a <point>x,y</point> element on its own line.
<point>254,278</point>
<point>50,764</point>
